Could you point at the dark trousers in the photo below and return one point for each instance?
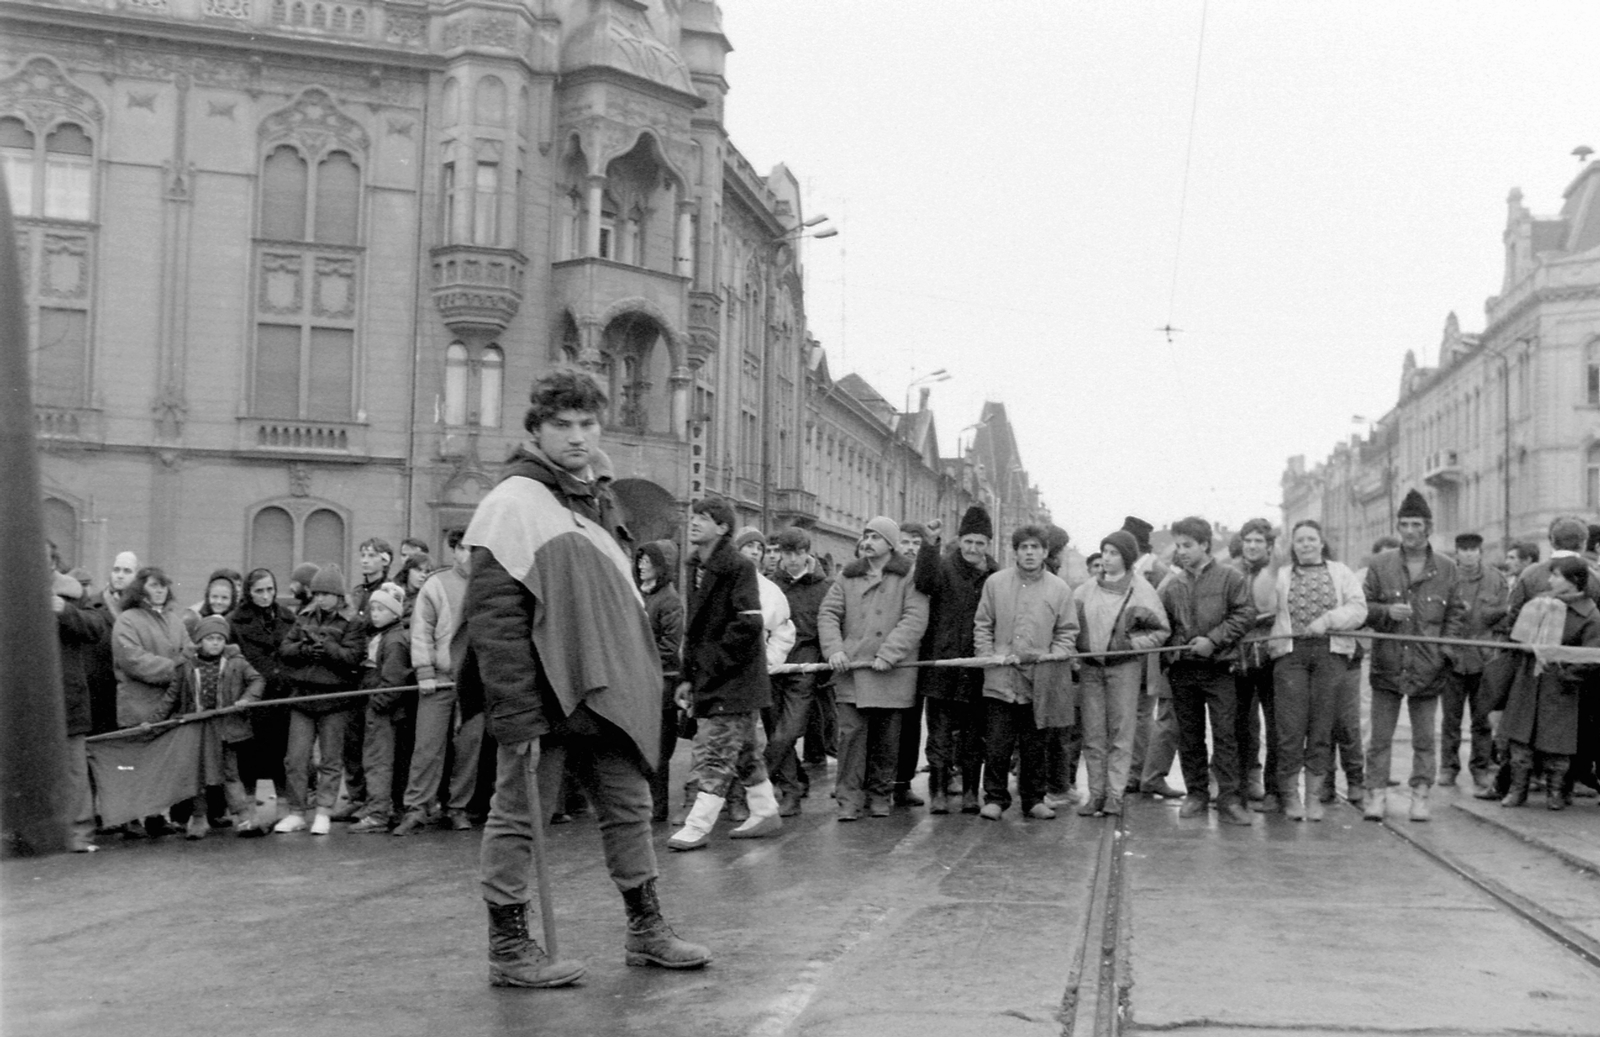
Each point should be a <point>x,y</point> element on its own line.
<point>1009,728</point>
<point>1200,690</point>
<point>785,721</point>
<point>869,742</point>
<point>660,794</point>
<point>1309,682</point>
<point>1463,698</point>
<point>955,741</point>
<point>905,768</point>
<point>1253,725</point>
<point>822,726</point>
<point>355,769</point>
<point>1585,764</point>
<point>1063,747</point>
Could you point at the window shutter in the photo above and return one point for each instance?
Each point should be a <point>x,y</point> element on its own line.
<point>338,199</point>
<point>277,382</point>
<point>332,357</point>
<point>63,345</point>
<point>283,195</point>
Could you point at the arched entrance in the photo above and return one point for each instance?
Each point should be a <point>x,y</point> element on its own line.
<point>649,512</point>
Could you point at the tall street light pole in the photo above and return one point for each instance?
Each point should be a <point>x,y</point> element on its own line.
<point>941,375</point>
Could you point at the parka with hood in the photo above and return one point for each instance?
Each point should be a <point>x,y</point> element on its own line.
<point>663,606</point>
<point>952,586</point>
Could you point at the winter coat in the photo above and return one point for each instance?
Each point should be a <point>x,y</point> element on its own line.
<point>1019,614</point>
<point>552,618</point>
<point>952,587</point>
<point>80,632</point>
<point>1263,577</point>
<point>1140,623</point>
<point>99,668</point>
<point>322,653</point>
<point>1542,709</point>
<point>259,633</point>
<point>775,621</point>
<point>388,667</point>
<point>1214,603</point>
<point>146,646</point>
<point>724,636</point>
<point>869,616</point>
<point>1484,597</point>
<point>805,593</point>
<point>359,601</point>
<point>1411,667</point>
<point>237,682</point>
<point>434,618</point>
<point>663,607</point>
<point>1534,581</point>
<point>1349,614</point>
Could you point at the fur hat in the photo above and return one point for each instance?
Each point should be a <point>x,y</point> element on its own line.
<point>1414,506</point>
<point>975,521</point>
<point>885,527</point>
<point>327,581</point>
<point>211,625</point>
<point>915,529</point>
<point>1141,531</point>
<point>64,586</point>
<point>304,573</point>
<point>1469,542</point>
<point>748,535</point>
<point>1124,544</point>
<point>387,597</point>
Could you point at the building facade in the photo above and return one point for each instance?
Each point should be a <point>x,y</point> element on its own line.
<point>1503,433</point>
<point>291,265</point>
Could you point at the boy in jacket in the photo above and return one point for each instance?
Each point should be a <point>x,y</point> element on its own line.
<point>387,664</point>
<point>215,676</point>
<point>793,695</point>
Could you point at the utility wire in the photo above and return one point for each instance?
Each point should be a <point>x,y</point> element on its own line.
<point>1188,162</point>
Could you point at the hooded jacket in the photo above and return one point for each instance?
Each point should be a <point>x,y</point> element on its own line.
<point>552,619</point>
<point>870,616</point>
<point>1410,667</point>
<point>952,586</point>
<point>237,682</point>
<point>322,653</point>
<point>724,636</point>
<point>663,607</point>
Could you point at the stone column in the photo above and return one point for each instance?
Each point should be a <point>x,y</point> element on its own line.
<point>679,384</point>
<point>591,223</point>
<point>683,251</point>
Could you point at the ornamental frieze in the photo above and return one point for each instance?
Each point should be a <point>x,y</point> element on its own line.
<point>41,91</point>
<point>315,121</point>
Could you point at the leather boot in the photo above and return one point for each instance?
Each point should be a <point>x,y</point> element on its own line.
<point>651,940</point>
<point>1521,769</point>
<point>516,959</point>
<point>764,819</point>
<point>938,798</point>
<point>1377,803</point>
<point>1314,803</point>
<point>697,826</point>
<point>969,800</point>
<point>1419,802</point>
<point>1555,782</point>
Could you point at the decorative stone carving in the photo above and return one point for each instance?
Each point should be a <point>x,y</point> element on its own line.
<point>159,6</point>
<point>65,272</point>
<point>623,40</point>
<point>400,127</point>
<point>41,91</point>
<point>477,289</point>
<point>408,30</point>
<point>280,283</point>
<point>170,411</point>
<point>239,10</point>
<point>315,121</point>
<point>179,178</point>
<point>299,480</point>
<point>481,30</point>
<point>145,99</point>
<point>333,291</point>
<point>220,109</point>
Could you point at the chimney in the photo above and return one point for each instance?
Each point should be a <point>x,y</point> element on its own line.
<point>922,398</point>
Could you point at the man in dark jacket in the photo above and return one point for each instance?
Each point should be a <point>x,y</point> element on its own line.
<point>1210,608</point>
<point>724,680</point>
<point>655,566</point>
<point>793,694</point>
<point>953,581</point>
<point>79,630</point>
<point>99,670</point>
<point>1483,595</point>
<point>1410,590</point>
<point>556,645</point>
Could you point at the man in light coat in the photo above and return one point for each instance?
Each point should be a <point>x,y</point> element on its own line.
<point>872,614</point>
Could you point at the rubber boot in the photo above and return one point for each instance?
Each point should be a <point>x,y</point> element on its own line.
<point>651,940</point>
<point>938,797</point>
<point>1555,769</point>
<point>697,826</point>
<point>1419,802</point>
<point>764,819</point>
<point>516,959</point>
<point>1376,804</point>
<point>1521,769</point>
<point>1314,810</point>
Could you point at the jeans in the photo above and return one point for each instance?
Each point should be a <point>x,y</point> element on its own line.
<point>869,745</point>
<point>1155,741</point>
<point>1108,710</point>
<point>1200,690</point>
<point>1385,714</point>
<point>1309,682</point>
<point>910,752</point>
<point>1009,728</point>
<point>608,766</point>
<point>785,724</point>
<point>1347,753</point>
<point>728,748</point>
<point>377,758</point>
<point>1252,727</point>
<point>822,726</point>
<point>355,746</point>
<point>1063,748</point>
<point>1462,692</point>
<point>326,732</point>
<point>438,714</point>
<point>955,741</point>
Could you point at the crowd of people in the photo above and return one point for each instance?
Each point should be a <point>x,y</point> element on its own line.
<point>547,635</point>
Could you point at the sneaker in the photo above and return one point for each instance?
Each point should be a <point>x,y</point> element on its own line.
<point>991,811</point>
<point>1194,806</point>
<point>248,830</point>
<point>291,823</point>
<point>1042,812</point>
<point>411,823</point>
<point>322,823</point>
<point>1159,789</point>
<point>370,824</point>
<point>1234,814</point>
<point>458,821</point>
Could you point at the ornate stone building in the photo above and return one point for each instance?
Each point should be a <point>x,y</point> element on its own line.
<point>291,265</point>
<point>1503,433</point>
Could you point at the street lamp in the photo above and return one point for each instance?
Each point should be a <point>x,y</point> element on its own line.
<point>940,375</point>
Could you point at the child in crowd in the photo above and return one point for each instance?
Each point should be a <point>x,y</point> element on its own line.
<point>321,654</point>
<point>214,675</point>
<point>387,665</point>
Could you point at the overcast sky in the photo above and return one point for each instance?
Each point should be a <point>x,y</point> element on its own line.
<point>1008,178</point>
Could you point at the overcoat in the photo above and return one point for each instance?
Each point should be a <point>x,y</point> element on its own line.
<point>1542,710</point>
<point>146,646</point>
<point>724,639</point>
<point>869,616</point>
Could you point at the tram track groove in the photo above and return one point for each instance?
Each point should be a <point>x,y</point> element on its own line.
<point>1096,1000</point>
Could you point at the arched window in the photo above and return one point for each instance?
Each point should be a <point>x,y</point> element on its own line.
<point>486,203</point>
<point>297,14</point>
<point>284,181</point>
<point>338,199</point>
<point>491,379</point>
<point>272,543</point>
<point>1591,479</point>
<point>319,16</point>
<point>455,384</point>
<point>16,163</point>
<point>61,529</point>
<point>451,101</point>
<point>608,226</point>
<point>280,11</point>
<point>323,538</point>
<point>336,22</point>
<point>358,22</point>
<point>490,106</point>
<point>1591,374</point>
<point>282,534</point>
<point>68,164</point>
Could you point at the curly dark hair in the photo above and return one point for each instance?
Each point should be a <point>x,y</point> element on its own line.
<point>559,391</point>
<point>134,597</point>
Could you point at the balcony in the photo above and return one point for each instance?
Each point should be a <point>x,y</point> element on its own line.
<point>477,289</point>
<point>291,437</point>
<point>60,425</point>
<point>1442,468</point>
<point>795,506</point>
<point>593,286</point>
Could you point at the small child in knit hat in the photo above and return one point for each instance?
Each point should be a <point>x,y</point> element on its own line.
<point>215,675</point>
<point>387,665</point>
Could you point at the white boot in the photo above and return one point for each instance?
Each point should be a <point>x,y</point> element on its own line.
<point>1375,804</point>
<point>763,819</point>
<point>697,826</point>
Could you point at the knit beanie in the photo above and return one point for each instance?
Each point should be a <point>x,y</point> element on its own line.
<point>887,528</point>
<point>1124,544</point>
<point>211,625</point>
<point>386,597</point>
<point>748,535</point>
<point>1414,506</point>
<point>304,573</point>
<point>1055,539</point>
<point>915,529</point>
<point>328,581</point>
<point>975,521</point>
<point>1141,531</point>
